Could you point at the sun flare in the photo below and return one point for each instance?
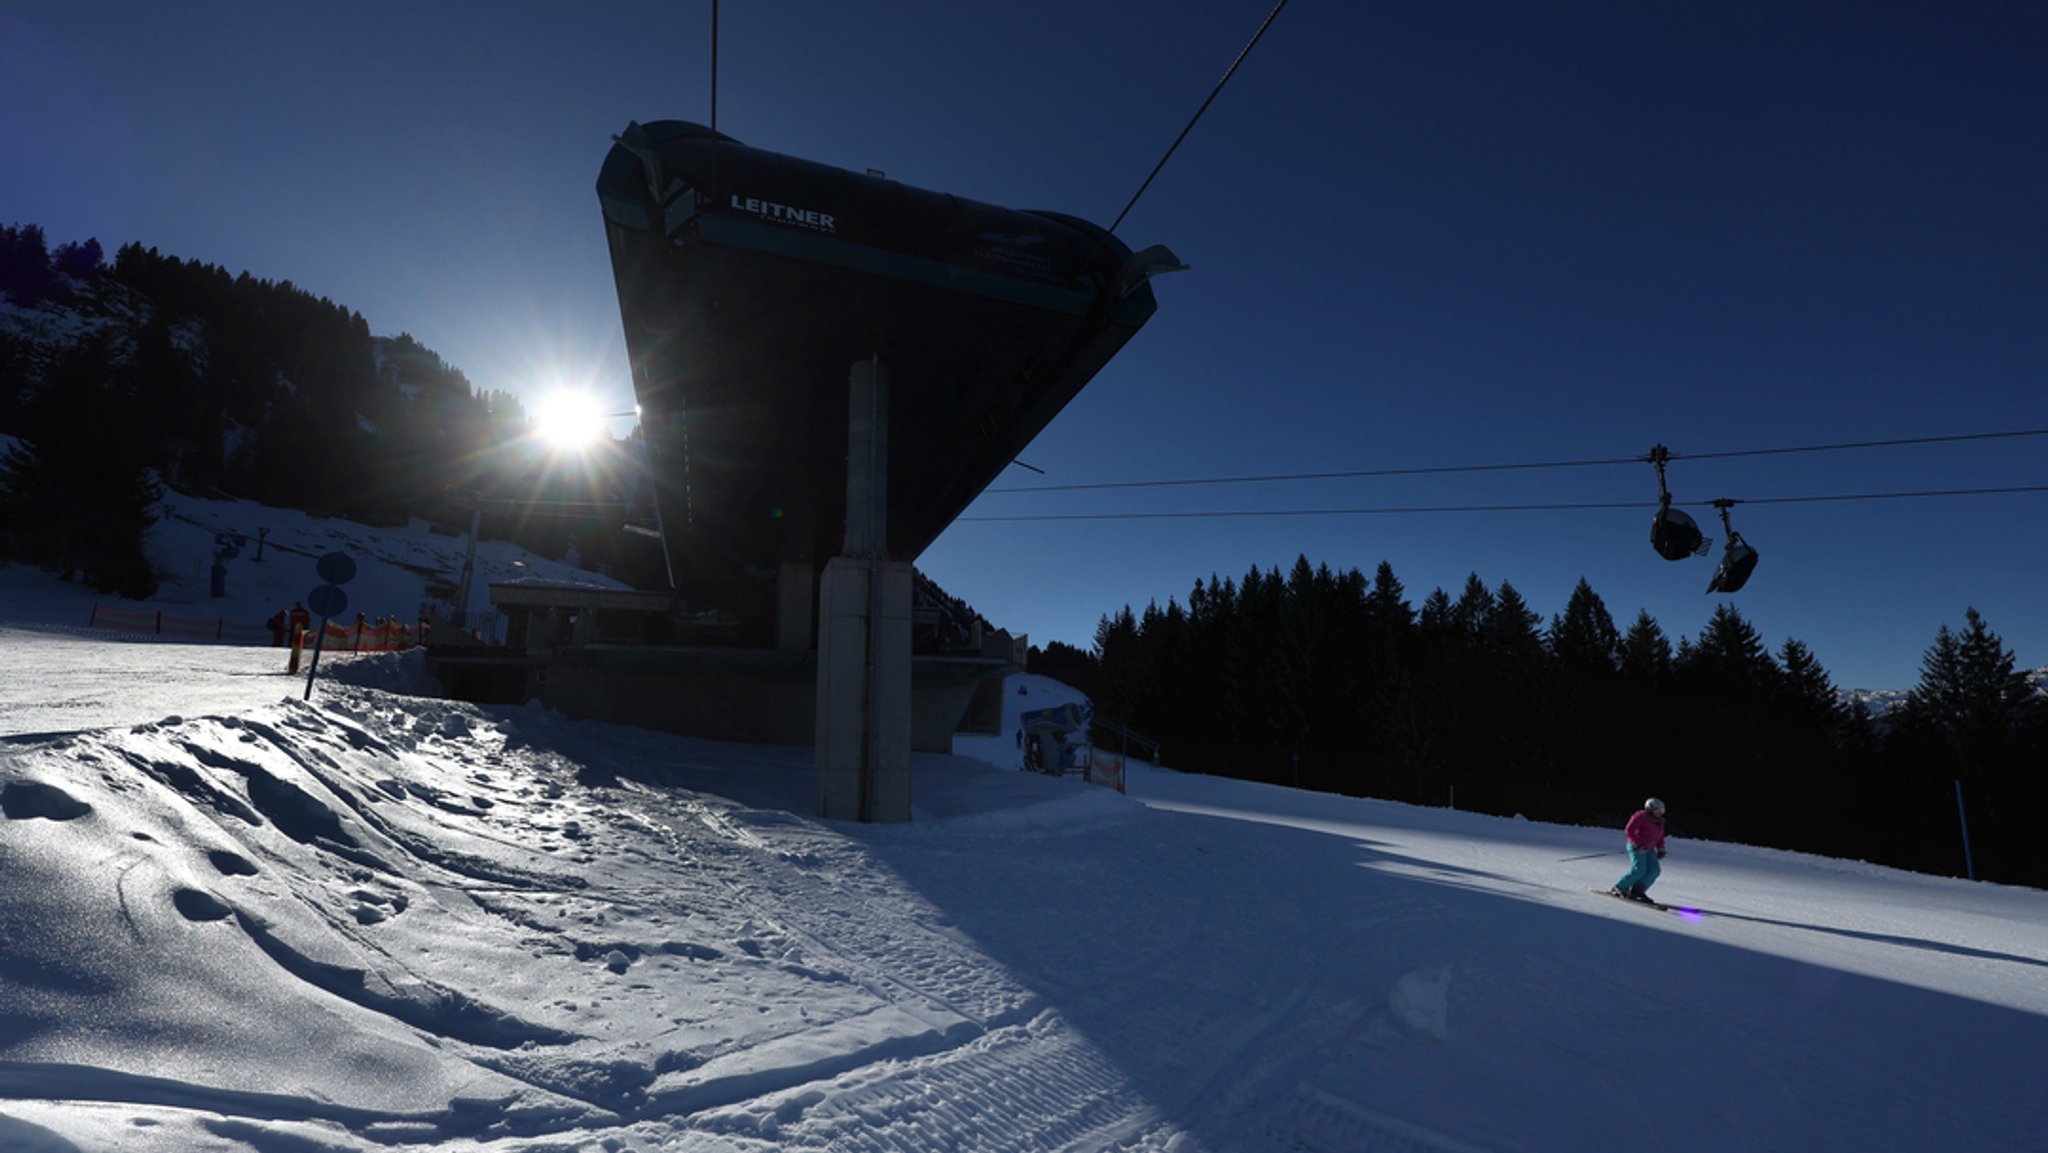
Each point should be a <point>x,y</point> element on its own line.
<point>569,420</point>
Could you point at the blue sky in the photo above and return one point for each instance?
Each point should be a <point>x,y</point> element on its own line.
<point>1421,235</point>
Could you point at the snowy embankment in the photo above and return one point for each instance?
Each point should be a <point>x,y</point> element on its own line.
<point>395,568</point>
<point>382,921</point>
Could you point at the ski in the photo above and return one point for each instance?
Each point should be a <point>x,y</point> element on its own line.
<point>1648,904</point>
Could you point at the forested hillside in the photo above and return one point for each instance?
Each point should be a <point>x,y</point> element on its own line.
<point>112,371</point>
<point>1338,683</point>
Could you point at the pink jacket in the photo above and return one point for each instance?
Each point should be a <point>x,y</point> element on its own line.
<point>1645,830</point>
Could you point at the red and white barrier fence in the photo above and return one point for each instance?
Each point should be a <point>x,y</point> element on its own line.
<point>368,637</point>
<point>361,637</point>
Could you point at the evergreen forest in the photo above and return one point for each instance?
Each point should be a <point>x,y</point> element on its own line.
<point>1338,683</point>
<point>114,372</point>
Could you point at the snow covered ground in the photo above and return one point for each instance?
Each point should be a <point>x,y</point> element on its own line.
<point>394,568</point>
<point>386,921</point>
<point>235,920</point>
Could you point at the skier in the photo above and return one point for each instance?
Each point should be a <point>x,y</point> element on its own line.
<point>1645,832</point>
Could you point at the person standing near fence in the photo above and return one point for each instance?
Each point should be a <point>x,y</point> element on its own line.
<point>277,625</point>
<point>301,620</point>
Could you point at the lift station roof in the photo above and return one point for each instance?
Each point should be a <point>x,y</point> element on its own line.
<point>750,283</point>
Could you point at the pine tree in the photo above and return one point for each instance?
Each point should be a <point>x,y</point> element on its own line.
<point>77,490</point>
<point>1645,651</point>
<point>1808,686</point>
<point>1971,702</point>
<point>1470,611</point>
<point>77,261</point>
<point>1730,657</point>
<point>1583,638</point>
<point>1935,707</point>
<point>1297,666</point>
<point>1586,705</point>
<point>1860,741</point>
<point>1972,718</point>
<point>1511,669</point>
<point>25,275</point>
<point>1387,604</point>
<point>1996,692</point>
<point>1434,617</point>
<point>1116,649</point>
<point>1511,629</point>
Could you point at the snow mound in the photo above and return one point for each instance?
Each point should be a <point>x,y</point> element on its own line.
<point>1419,1002</point>
<point>1089,809</point>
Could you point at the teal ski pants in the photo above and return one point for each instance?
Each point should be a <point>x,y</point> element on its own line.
<point>1643,868</point>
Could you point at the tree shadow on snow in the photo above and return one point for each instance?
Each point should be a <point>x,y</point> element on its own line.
<point>1880,938</point>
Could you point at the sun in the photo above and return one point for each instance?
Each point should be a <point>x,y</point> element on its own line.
<point>566,420</point>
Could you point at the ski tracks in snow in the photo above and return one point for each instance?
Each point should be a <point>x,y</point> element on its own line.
<point>699,972</point>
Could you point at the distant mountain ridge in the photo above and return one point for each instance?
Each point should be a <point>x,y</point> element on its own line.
<point>1882,701</point>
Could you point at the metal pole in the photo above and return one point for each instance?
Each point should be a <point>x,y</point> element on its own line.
<point>315,665</point>
<point>1969,864</point>
<point>476,524</point>
<point>654,494</point>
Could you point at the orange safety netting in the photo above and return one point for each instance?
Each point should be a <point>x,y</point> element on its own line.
<point>364,636</point>
<point>368,637</point>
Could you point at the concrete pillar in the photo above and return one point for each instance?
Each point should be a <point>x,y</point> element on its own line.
<point>794,591</point>
<point>863,718</point>
<point>867,461</point>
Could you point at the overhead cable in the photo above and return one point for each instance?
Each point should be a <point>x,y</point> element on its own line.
<point>1430,470</point>
<point>1198,113</point>
<point>1856,444</point>
<point>1217,514</point>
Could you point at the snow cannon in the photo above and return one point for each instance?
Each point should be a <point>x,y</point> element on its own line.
<point>750,283</point>
<point>1045,737</point>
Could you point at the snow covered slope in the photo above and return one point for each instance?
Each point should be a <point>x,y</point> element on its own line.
<point>387,922</point>
<point>394,567</point>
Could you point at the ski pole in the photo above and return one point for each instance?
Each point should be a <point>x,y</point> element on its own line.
<point>1588,856</point>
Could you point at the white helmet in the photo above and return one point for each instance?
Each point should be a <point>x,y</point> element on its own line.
<point>1654,805</point>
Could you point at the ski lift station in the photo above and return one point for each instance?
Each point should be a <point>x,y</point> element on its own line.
<point>830,367</point>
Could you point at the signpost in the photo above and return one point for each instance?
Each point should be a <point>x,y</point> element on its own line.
<point>328,600</point>
<point>226,547</point>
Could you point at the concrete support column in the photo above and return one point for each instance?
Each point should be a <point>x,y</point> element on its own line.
<point>863,720</point>
<point>794,589</point>
<point>867,461</point>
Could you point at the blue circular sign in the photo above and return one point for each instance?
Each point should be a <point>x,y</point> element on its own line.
<point>337,568</point>
<point>327,600</point>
